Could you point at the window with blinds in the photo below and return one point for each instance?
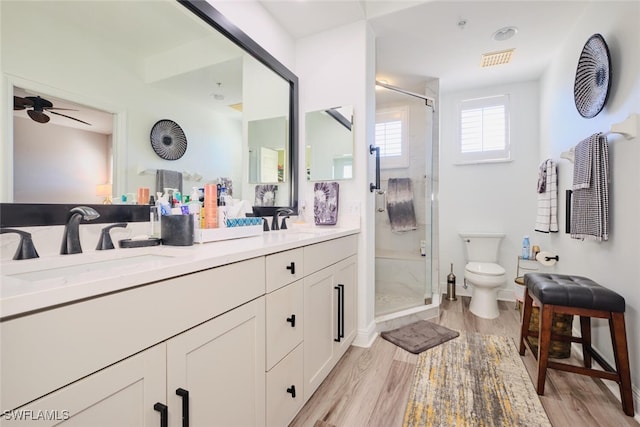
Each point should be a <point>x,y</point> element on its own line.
<point>391,131</point>
<point>483,129</point>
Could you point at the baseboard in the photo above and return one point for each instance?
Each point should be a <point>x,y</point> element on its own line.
<point>611,385</point>
<point>365,337</point>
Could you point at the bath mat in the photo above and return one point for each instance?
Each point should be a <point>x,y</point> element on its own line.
<point>475,380</point>
<point>419,336</point>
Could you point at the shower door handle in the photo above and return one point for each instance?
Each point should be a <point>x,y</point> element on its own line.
<point>375,186</point>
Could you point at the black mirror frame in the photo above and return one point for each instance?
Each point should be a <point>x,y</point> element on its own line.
<point>36,214</point>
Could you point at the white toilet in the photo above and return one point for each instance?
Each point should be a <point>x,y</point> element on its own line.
<point>482,272</point>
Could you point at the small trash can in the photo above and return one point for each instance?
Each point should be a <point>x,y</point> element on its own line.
<point>177,230</point>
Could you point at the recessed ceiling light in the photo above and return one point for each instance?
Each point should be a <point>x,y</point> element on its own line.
<point>504,33</point>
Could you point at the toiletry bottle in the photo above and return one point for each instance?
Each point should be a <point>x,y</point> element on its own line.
<point>526,248</point>
<point>222,208</point>
<point>154,218</point>
<point>194,207</point>
<point>210,206</point>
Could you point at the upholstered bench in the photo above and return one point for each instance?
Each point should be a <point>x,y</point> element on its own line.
<point>575,295</point>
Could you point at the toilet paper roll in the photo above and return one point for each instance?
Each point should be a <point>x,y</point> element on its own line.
<point>542,258</point>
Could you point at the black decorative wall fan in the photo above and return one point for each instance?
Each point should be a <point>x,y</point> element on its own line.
<point>38,106</point>
<point>593,77</point>
<point>168,140</point>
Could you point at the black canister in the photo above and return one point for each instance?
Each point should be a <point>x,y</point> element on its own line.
<point>177,230</point>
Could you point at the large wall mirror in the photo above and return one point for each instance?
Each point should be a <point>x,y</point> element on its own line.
<point>329,149</point>
<point>88,80</point>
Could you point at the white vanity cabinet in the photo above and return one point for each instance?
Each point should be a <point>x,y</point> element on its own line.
<point>199,313</point>
<point>329,306</point>
<point>241,344</point>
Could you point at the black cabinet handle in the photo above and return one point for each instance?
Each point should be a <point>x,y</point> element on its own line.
<point>292,320</point>
<point>341,333</point>
<point>163,413</point>
<point>292,267</point>
<point>292,390</point>
<point>184,394</point>
<point>340,312</point>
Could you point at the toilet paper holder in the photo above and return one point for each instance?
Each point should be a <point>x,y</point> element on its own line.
<point>549,258</point>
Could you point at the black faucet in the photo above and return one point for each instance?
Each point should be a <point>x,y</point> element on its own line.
<point>105,241</point>
<point>26,249</point>
<point>276,215</point>
<point>71,236</point>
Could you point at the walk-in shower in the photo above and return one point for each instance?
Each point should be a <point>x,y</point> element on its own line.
<point>405,217</point>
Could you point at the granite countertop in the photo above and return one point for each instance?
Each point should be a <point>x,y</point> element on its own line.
<point>36,284</point>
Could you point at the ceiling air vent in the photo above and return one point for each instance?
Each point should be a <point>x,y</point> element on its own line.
<point>496,58</point>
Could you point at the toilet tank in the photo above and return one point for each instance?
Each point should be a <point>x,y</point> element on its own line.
<point>481,247</point>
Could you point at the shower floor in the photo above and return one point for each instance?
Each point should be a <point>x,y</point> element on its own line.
<point>393,296</point>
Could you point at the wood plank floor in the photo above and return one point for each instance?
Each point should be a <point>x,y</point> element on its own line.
<point>370,387</point>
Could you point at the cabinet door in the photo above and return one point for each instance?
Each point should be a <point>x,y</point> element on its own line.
<point>121,395</point>
<point>284,322</point>
<point>221,365</point>
<point>346,280</point>
<point>320,300</point>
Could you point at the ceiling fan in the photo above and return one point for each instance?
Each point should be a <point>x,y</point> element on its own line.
<point>39,106</point>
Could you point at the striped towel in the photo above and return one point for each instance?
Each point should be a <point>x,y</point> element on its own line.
<point>547,214</point>
<point>590,199</point>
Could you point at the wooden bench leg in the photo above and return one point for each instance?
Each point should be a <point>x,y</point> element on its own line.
<point>585,331</point>
<point>526,318</point>
<point>619,338</point>
<point>544,343</point>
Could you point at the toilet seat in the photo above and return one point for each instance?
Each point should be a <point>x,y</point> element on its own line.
<point>485,269</point>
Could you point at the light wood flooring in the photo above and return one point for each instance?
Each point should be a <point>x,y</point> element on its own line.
<point>370,387</point>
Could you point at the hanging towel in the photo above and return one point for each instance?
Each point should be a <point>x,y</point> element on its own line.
<point>547,214</point>
<point>590,198</point>
<point>168,179</point>
<point>542,177</point>
<point>402,215</point>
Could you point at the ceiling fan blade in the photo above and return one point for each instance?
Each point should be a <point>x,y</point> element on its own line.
<point>38,116</point>
<point>69,117</point>
<point>58,108</point>
<point>21,103</point>
<point>40,103</point>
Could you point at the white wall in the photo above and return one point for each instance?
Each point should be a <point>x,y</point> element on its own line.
<point>613,263</point>
<point>493,197</point>
<point>337,68</point>
<point>58,164</point>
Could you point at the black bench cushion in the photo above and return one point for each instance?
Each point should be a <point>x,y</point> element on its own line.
<point>573,291</point>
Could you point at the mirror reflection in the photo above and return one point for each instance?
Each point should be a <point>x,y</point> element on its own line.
<point>267,150</point>
<point>329,150</point>
<point>130,64</point>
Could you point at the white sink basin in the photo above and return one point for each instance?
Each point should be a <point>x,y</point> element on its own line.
<point>93,264</point>
<point>92,267</point>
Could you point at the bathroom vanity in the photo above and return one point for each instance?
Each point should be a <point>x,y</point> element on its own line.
<point>233,333</point>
